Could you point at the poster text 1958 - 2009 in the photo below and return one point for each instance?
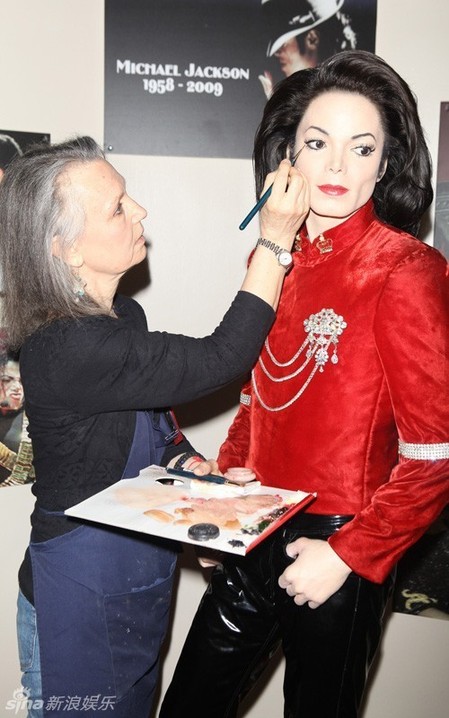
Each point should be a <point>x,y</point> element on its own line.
<point>158,78</point>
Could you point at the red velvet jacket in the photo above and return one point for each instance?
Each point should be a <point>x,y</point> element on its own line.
<point>372,371</point>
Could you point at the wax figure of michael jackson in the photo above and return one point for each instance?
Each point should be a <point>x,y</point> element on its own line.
<point>349,399</point>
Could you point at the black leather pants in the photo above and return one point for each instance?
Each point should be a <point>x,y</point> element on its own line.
<point>243,618</point>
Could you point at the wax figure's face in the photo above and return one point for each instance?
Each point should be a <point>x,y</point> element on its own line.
<point>290,57</point>
<point>343,143</point>
<point>11,389</point>
<point>112,238</point>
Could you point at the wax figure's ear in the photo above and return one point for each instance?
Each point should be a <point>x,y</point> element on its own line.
<point>70,256</point>
<point>382,169</point>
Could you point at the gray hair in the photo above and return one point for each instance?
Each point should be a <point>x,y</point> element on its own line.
<point>37,205</point>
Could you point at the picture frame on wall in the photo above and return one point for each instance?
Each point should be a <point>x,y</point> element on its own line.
<point>441,239</point>
<point>422,580</point>
<point>192,79</point>
<point>16,454</point>
<point>15,142</point>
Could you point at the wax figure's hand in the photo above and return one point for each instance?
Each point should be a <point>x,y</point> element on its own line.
<point>208,466</point>
<point>316,573</point>
<point>267,83</point>
<point>287,206</point>
<point>208,557</point>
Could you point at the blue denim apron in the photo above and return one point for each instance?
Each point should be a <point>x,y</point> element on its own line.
<point>102,599</point>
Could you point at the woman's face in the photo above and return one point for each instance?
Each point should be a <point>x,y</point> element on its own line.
<point>112,238</point>
<point>343,141</point>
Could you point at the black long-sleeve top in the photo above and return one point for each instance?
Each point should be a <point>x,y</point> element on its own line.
<point>85,379</point>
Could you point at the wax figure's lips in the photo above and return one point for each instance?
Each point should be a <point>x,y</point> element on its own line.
<point>334,190</point>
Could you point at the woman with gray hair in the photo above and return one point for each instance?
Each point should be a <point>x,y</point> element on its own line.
<point>94,602</point>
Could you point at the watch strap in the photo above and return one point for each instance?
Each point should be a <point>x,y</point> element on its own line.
<point>273,247</point>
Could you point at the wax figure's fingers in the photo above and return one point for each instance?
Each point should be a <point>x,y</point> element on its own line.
<point>266,81</point>
<point>316,573</point>
<point>208,557</point>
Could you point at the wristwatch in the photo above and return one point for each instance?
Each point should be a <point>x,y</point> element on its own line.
<point>283,255</point>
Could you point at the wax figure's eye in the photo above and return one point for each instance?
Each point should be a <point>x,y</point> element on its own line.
<point>119,209</point>
<point>315,144</point>
<point>364,150</point>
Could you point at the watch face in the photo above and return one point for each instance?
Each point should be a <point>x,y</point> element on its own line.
<point>285,259</point>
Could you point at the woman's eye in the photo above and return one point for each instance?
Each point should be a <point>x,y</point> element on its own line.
<point>119,209</point>
<point>364,150</point>
<point>315,144</point>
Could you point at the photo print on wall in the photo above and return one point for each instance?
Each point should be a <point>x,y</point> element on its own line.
<point>422,582</point>
<point>15,446</point>
<point>191,79</point>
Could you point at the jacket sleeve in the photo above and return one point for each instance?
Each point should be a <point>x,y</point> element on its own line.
<point>234,450</point>
<point>412,338</point>
<point>173,450</point>
<point>103,364</point>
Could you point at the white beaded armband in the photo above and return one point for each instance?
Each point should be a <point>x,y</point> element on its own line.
<point>245,399</point>
<point>424,452</point>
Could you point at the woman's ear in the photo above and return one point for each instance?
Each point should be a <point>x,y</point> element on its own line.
<point>382,169</point>
<point>70,256</point>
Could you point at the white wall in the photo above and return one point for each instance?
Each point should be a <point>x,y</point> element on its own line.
<point>51,65</point>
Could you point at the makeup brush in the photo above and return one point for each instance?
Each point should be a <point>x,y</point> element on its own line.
<point>258,206</point>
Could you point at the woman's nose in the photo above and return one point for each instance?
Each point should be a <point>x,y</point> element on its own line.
<point>139,213</point>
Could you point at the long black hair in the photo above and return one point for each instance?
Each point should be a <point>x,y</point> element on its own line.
<point>405,192</point>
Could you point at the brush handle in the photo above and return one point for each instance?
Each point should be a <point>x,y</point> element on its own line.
<point>264,197</point>
<point>256,208</point>
<point>213,478</point>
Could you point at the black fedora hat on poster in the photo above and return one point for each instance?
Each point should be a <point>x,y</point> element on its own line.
<point>290,18</point>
